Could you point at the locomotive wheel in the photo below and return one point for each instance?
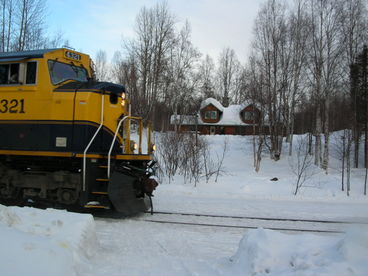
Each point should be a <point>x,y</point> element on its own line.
<point>14,198</point>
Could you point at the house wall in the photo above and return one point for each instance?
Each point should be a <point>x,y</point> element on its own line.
<point>229,130</point>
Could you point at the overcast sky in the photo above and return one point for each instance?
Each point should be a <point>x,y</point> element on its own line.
<point>91,25</point>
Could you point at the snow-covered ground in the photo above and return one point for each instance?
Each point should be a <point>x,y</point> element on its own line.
<point>45,242</point>
<point>54,242</point>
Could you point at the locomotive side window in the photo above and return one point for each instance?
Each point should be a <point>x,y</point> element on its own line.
<point>61,72</point>
<point>31,72</point>
<point>14,73</point>
<point>9,73</point>
<point>113,98</point>
<point>4,73</point>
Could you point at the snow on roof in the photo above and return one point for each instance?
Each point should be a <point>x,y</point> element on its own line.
<point>230,116</point>
<point>212,101</point>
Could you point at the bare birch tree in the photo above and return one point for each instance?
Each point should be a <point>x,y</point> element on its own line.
<point>206,78</point>
<point>101,69</point>
<point>30,15</point>
<point>180,80</point>
<point>298,35</point>
<point>255,85</point>
<point>150,52</point>
<point>227,72</point>
<point>274,61</point>
<point>324,56</point>
<point>301,165</point>
<point>7,25</point>
<point>354,36</point>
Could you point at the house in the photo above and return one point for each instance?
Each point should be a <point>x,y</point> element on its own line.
<point>214,118</point>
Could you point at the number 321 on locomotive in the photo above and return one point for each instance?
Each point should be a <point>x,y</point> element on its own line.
<point>12,106</point>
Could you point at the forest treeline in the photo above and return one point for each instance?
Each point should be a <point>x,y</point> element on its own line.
<point>298,71</point>
<point>23,26</point>
<point>306,68</point>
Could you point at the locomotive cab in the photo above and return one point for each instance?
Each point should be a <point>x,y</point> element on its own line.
<point>66,139</point>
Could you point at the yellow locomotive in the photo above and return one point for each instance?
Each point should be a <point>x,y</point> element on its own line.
<point>67,139</point>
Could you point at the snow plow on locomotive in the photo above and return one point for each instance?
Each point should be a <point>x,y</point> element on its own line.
<point>67,139</point>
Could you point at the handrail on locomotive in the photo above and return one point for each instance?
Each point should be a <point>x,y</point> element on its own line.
<point>121,121</point>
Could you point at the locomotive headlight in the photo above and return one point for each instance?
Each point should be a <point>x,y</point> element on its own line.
<point>123,99</point>
<point>133,146</point>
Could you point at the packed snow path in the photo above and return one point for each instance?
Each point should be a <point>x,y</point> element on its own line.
<point>131,247</point>
<point>136,247</point>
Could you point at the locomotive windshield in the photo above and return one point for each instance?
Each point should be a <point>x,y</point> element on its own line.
<point>61,72</point>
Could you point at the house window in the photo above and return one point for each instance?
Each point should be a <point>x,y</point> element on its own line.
<point>249,116</point>
<point>210,115</point>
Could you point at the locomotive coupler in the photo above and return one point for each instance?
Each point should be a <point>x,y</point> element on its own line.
<point>150,185</point>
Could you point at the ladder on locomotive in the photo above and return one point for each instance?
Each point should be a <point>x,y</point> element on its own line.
<point>108,166</point>
<point>94,204</point>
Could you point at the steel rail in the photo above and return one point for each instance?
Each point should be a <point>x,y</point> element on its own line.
<point>243,226</point>
<point>257,218</point>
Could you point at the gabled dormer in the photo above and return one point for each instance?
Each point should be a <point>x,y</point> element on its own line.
<point>250,114</point>
<point>211,111</point>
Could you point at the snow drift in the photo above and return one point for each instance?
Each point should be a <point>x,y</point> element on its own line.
<point>45,242</point>
<point>267,252</point>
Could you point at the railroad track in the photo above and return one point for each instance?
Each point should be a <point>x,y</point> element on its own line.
<point>248,222</point>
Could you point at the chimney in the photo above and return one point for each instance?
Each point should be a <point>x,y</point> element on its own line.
<point>225,101</point>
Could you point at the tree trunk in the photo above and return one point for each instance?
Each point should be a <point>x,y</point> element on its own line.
<point>3,28</point>
<point>343,160</point>
<point>356,134</point>
<point>10,18</point>
<point>326,152</point>
<point>317,149</point>
<point>365,181</point>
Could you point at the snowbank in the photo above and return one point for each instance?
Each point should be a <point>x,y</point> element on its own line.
<point>267,252</point>
<point>45,242</point>
<point>239,178</point>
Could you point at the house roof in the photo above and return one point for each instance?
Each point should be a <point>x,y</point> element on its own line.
<point>212,101</point>
<point>230,116</point>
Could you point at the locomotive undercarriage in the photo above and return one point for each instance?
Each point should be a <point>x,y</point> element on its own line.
<point>58,182</point>
<point>60,187</point>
